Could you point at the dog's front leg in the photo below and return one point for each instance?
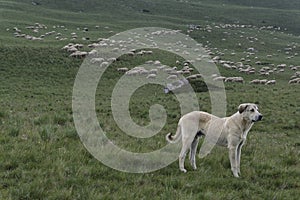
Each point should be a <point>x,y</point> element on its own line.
<point>239,150</point>
<point>233,160</point>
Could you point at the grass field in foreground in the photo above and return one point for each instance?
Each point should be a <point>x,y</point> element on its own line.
<point>41,155</point>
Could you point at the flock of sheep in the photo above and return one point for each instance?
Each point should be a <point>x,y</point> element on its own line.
<point>242,66</point>
<point>174,77</point>
<point>295,78</point>
<point>251,55</point>
<point>39,32</point>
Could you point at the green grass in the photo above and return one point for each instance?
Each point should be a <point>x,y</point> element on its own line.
<point>41,155</point>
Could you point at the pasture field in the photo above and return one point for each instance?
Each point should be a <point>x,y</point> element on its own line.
<point>41,154</point>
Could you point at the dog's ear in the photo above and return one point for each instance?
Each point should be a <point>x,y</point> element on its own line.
<point>242,107</point>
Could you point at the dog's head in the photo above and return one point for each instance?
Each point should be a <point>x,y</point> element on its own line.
<point>249,111</point>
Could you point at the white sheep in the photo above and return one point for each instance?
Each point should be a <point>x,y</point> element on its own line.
<point>157,63</point>
<point>172,77</point>
<point>227,66</point>
<point>234,79</point>
<point>270,82</point>
<point>168,70</point>
<point>130,53</point>
<point>293,81</point>
<point>263,81</point>
<point>97,60</point>
<point>219,78</point>
<point>255,81</point>
<point>192,77</point>
<point>122,69</point>
<point>149,62</point>
<point>93,52</point>
<point>282,66</point>
<point>111,59</point>
<point>104,64</point>
<point>187,72</point>
<point>153,71</point>
<point>151,76</point>
<point>79,54</point>
<point>132,73</point>
<point>72,49</point>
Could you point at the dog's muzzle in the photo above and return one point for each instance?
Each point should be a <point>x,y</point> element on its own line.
<point>259,118</point>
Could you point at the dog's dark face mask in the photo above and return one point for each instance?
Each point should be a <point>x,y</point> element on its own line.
<point>250,112</point>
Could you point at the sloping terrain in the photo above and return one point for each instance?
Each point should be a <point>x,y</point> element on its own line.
<point>41,155</point>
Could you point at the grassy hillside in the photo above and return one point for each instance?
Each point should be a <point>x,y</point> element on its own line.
<point>41,155</point>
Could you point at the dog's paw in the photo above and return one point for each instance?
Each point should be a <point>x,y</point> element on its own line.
<point>183,170</point>
<point>194,166</point>
<point>235,174</point>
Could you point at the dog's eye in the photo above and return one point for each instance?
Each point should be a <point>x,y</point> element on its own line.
<point>252,110</point>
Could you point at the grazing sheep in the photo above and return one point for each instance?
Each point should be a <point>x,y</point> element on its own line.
<point>72,49</point>
<point>187,72</point>
<point>149,62</point>
<point>140,53</point>
<point>227,66</point>
<point>97,60</point>
<point>94,52</point>
<point>78,46</point>
<point>130,53</point>
<point>191,69</point>
<point>219,78</point>
<point>123,69</point>
<point>192,77</point>
<point>179,72</point>
<point>153,71</point>
<point>79,54</point>
<point>235,79</point>
<point>255,81</point>
<point>263,81</point>
<point>168,70</point>
<point>148,52</point>
<point>151,76</point>
<point>293,81</point>
<point>157,63</point>
<point>264,73</point>
<point>172,77</point>
<point>137,71</point>
<point>112,60</point>
<point>143,71</point>
<point>132,73</point>
<point>161,67</point>
<point>104,64</point>
<point>281,66</point>
<point>199,75</point>
<point>217,58</point>
<point>270,82</point>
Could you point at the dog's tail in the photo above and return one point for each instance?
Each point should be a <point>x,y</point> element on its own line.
<point>173,139</point>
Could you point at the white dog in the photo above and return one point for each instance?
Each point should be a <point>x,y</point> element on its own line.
<point>229,131</point>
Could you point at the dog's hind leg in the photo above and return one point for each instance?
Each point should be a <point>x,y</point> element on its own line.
<point>193,152</point>
<point>182,155</point>
<point>186,145</point>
